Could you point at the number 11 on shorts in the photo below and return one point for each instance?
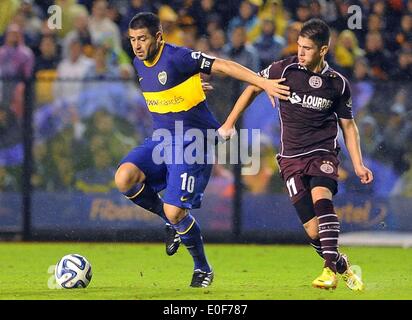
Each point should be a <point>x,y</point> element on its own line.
<point>290,184</point>
<point>188,182</point>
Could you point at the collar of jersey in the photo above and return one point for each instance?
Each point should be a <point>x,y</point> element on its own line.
<point>156,59</point>
<point>325,68</point>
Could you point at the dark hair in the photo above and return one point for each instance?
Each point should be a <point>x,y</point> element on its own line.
<point>317,31</point>
<point>146,20</point>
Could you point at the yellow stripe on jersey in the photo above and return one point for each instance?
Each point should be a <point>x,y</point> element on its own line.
<point>182,97</point>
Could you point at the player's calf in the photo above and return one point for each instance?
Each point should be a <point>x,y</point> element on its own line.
<point>329,228</point>
<point>189,232</point>
<point>144,196</point>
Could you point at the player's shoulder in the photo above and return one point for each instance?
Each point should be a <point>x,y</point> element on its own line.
<point>288,62</point>
<point>333,74</point>
<point>180,55</point>
<point>174,50</point>
<point>278,67</point>
<point>338,79</point>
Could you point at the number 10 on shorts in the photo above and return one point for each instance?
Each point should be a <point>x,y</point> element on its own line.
<point>188,182</point>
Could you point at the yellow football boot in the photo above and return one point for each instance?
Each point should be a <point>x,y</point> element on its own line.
<point>327,280</point>
<point>352,280</point>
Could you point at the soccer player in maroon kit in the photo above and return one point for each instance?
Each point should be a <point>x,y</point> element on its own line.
<point>320,99</point>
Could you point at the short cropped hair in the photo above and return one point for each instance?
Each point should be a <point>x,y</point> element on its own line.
<point>317,30</point>
<point>146,20</point>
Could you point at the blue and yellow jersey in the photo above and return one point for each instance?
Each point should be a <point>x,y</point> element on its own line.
<point>172,88</point>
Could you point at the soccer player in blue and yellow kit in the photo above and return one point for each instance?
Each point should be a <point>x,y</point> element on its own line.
<point>169,77</point>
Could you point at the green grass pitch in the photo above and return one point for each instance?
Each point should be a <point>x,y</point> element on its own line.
<point>143,271</point>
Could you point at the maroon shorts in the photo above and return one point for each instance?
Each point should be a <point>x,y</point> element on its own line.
<point>296,172</point>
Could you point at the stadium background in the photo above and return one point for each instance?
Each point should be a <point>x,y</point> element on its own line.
<point>70,109</point>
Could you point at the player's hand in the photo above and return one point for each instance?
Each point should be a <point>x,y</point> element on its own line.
<point>206,86</point>
<point>226,132</point>
<point>364,174</point>
<point>274,90</point>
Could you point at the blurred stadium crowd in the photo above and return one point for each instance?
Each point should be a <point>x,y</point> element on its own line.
<point>88,111</point>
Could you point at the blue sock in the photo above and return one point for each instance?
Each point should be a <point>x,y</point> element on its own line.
<point>189,232</point>
<point>144,196</point>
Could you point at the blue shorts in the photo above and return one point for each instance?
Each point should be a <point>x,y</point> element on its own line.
<point>184,183</point>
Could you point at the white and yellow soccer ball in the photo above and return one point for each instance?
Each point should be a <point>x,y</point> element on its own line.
<point>73,271</point>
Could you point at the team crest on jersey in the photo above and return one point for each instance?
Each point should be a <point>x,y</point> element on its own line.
<point>162,76</point>
<point>327,167</point>
<point>315,82</point>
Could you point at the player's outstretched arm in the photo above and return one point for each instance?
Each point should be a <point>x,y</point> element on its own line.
<point>227,130</point>
<point>233,69</point>
<point>352,142</point>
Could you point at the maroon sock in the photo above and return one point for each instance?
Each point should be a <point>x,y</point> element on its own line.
<point>328,231</point>
<point>315,243</point>
<point>340,263</point>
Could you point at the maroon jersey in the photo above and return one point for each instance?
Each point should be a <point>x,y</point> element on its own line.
<point>309,119</point>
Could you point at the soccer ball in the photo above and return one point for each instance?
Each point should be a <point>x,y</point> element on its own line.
<point>73,271</point>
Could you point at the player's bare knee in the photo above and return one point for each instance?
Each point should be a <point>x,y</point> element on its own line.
<point>176,217</point>
<point>127,176</point>
<point>123,181</point>
<point>174,214</point>
<point>321,192</point>
<point>312,228</point>
<point>312,233</point>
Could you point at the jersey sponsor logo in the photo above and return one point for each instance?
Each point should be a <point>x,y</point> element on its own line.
<point>294,98</point>
<point>182,97</point>
<point>176,100</point>
<point>315,82</point>
<point>327,167</point>
<point>140,79</point>
<point>162,76</point>
<point>311,102</point>
<point>183,199</point>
